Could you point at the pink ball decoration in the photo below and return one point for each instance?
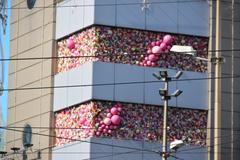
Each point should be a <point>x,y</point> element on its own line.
<point>148,63</point>
<point>156,49</point>
<point>107,121</point>
<point>152,57</point>
<point>149,51</point>
<point>158,42</point>
<point>109,115</point>
<point>163,46</point>
<point>167,39</point>
<point>105,130</point>
<point>119,109</point>
<point>86,123</point>
<point>109,131</point>
<point>153,44</point>
<point>115,119</point>
<point>146,58</point>
<point>70,44</point>
<point>82,120</point>
<point>153,64</point>
<point>98,133</point>
<point>114,110</point>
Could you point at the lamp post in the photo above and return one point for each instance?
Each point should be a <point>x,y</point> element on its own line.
<point>163,75</point>
<point>217,61</point>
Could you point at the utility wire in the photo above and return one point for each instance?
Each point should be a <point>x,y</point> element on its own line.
<point>117,4</point>
<point>82,128</point>
<point>85,141</point>
<point>107,84</point>
<point>136,149</point>
<point>113,55</point>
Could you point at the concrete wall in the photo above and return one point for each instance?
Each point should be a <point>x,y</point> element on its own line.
<point>166,16</point>
<point>93,75</point>
<point>31,36</point>
<point>112,149</point>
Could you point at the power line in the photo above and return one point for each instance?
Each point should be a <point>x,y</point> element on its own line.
<point>135,149</point>
<point>117,4</point>
<point>107,84</point>
<point>84,141</point>
<point>112,55</point>
<point>82,128</point>
<point>98,143</point>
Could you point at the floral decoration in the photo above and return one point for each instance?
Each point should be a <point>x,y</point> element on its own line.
<point>129,121</point>
<point>129,46</point>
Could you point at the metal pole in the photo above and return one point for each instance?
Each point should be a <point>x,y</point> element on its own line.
<point>217,104</point>
<point>165,117</point>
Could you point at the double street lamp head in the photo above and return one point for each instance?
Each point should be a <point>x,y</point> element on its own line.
<point>163,75</point>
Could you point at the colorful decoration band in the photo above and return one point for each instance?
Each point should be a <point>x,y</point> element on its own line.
<point>129,121</point>
<point>130,46</point>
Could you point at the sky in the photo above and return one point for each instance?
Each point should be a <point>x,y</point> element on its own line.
<point>5,43</point>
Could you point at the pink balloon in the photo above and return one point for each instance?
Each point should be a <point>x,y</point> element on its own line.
<point>98,133</point>
<point>109,115</point>
<point>152,57</point>
<point>163,46</point>
<point>114,110</point>
<point>119,109</point>
<point>149,51</point>
<point>153,64</point>
<point>153,44</point>
<point>105,130</point>
<point>82,120</point>
<point>156,49</point>
<point>141,63</point>
<point>107,121</point>
<point>115,119</point>
<point>146,58</point>
<point>148,63</point>
<point>86,123</point>
<point>70,44</point>
<point>109,131</point>
<point>167,39</point>
<point>158,42</point>
<point>100,129</point>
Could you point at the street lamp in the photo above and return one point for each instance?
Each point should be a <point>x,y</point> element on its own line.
<point>217,61</point>
<point>163,76</point>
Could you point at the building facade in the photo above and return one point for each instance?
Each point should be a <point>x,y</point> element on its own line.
<point>32,35</point>
<point>98,98</point>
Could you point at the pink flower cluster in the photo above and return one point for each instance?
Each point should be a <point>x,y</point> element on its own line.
<point>81,44</point>
<point>129,121</point>
<point>129,46</point>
